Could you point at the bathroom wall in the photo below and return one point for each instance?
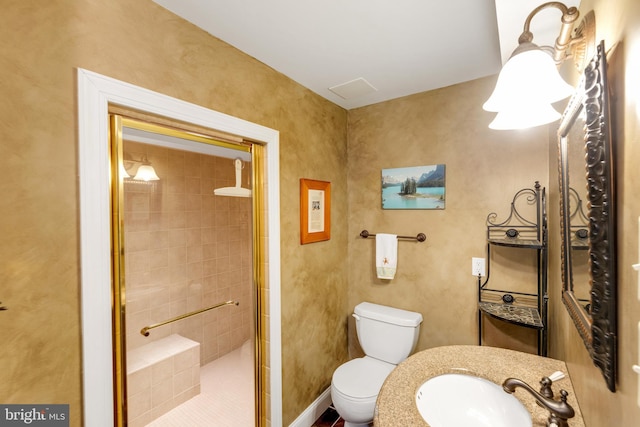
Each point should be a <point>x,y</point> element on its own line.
<point>484,169</point>
<point>618,24</point>
<point>186,249</point>
<point>143,44</point>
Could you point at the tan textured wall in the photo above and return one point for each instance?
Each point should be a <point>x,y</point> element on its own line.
<point>484,169</point>
<point>139,42</point>
<point>618,24</point>
<point>143,44</point>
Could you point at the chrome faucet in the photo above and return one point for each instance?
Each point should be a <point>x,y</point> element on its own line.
<point>559,411</point>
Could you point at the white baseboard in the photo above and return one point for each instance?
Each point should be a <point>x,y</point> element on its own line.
<point>313,411</point>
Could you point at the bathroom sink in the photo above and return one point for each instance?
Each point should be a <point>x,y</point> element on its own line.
<point>457,400</point>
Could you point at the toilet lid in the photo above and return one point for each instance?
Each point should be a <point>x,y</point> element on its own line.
<point>361,378</point>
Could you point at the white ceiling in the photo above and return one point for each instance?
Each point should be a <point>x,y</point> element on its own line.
<point>399,47</point>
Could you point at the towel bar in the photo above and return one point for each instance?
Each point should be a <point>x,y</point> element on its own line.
<point>421,237</point>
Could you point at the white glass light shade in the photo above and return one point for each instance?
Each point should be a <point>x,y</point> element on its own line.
<point>146,173</point>
<point>528,77</point>
<point>523,118</point>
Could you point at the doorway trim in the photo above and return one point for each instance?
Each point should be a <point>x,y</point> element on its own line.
<point>95,93</point>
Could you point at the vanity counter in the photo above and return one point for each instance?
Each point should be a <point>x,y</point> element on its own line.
<point>396,402</point>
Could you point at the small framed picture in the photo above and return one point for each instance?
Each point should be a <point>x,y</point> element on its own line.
<point>418,187</point>
<point>315,211</point>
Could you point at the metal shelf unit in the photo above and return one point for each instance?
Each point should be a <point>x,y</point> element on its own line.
<point>519,232</point>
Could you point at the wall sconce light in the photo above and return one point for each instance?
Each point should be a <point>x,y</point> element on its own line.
<point>145,171</point>
<point>530,82</point>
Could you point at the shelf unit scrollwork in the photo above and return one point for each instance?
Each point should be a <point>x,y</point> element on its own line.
<point>518,231</point>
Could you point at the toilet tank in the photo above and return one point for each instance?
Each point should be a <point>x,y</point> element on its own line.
<point>386,333</point>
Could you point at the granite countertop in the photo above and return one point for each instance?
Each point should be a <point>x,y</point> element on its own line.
<point>396,402</point>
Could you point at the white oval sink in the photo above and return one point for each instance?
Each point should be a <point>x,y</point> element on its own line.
<point>457,400</point>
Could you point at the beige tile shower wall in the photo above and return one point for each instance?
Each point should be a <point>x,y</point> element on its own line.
<point>187,249</point>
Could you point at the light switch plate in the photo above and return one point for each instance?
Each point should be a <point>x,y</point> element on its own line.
<point>638,396</point>
<point>637,268</point>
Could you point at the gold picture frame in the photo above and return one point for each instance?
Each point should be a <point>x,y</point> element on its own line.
<point>315,211</point>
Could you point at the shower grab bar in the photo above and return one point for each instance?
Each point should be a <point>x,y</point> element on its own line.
<point>145,331</point>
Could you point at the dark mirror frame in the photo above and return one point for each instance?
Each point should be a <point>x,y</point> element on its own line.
<point>598,327</point>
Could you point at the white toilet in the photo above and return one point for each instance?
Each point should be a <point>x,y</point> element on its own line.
<point>388,336</point>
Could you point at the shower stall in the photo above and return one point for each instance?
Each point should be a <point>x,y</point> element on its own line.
<point>186,281</point>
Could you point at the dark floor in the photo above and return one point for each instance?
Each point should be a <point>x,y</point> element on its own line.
<point>330,418</point>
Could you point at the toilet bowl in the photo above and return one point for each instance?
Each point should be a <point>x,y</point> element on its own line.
<point>354,389</point>
<point>388,336</point>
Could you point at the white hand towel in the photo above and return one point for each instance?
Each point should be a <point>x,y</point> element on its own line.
<point>386,255</point>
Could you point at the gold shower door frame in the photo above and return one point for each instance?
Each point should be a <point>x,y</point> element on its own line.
<point>149,123</point>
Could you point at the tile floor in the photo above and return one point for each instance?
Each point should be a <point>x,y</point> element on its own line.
<point>226,396</point>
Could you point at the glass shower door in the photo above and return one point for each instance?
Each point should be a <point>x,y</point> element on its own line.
<point>186,315</point>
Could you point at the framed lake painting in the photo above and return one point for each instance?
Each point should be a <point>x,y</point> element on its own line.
<point>418,187</point>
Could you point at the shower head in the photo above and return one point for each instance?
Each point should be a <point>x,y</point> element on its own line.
<point>236,191</point>
<point>232,192</point>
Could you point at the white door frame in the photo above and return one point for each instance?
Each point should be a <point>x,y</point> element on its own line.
<point>95,93</point>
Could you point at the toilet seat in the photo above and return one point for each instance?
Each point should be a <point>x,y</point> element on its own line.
<point>361,379</point>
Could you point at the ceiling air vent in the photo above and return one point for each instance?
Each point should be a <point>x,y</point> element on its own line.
<point>353,89</point>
